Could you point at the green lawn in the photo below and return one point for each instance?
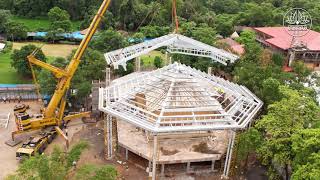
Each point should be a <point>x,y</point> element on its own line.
<point>41,23</point>
<point>8,75</point>
<point>148,60</point>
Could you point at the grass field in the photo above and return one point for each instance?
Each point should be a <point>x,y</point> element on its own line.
<point>53,50</point>
<point>8,75</point>
<point>41,23</point>
<point>149,59</point>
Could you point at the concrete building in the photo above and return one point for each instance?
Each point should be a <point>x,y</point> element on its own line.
<point>306,48</point>
<point>175,115</point>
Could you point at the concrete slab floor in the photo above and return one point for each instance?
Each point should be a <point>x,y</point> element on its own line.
<point>177,150</point>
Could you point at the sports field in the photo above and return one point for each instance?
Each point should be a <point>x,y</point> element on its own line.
<point>54,50</point>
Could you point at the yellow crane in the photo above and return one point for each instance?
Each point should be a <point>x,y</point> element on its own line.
<point>53,114</point>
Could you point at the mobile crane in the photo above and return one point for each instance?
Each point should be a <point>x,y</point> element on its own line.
<point>53,114</point>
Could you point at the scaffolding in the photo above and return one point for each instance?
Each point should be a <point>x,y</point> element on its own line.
<point>176,44</point>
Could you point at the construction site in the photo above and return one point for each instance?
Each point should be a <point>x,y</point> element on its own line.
<point>174,122</point>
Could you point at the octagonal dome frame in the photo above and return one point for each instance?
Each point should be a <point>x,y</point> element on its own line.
<point>179,98</point>
<point>176,44</point>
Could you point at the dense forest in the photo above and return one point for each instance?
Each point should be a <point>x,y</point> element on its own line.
<point>285,138</point>
<point>131,14</point>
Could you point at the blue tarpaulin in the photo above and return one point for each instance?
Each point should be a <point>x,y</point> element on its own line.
<point>73,35</point>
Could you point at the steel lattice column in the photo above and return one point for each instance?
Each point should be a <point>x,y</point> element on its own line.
<point>226,169</point>
<point>110,136</point>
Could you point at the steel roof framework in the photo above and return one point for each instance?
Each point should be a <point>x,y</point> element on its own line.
<point>179,98</point>
<point>176,44</point>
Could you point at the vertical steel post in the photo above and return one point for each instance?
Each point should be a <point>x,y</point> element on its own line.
<point>232,135</point>
<point>154,160</point>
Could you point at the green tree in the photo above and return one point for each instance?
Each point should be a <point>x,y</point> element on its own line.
<point>57,165</point>
<point>224,24</point>
<point>224,6</point>
<point>310,170</point>
<point>16,30</point>
<point>270,90</point>
<point>92,172</point>
<point>91,68</point>
<point>278,59</point>
<point>56,15</point>
<point>205,34</point>
<point>247,143</point>
<point>247,37</point>
<point>306,145</point>
<point>20,61</point>
<point>46,79</point>
<point>130,68</point>
<point>157,62</point>
<point>60,23</point>
<point>5,16</point>
<point>256,14</point>
<point>292,113</point>
<point>138,37</point>
<point>154,31</point>
<point>301,70</point>
<point>109,40</point>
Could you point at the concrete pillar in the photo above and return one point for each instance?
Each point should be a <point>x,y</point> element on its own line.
<point>149,168</point>
<point>226,169</point>
<point>291,56</point>
<point>138,64</point>
<point>188,166</point>
<point>127,154</point>
<point>212,165</point>
<point>162,169</point>
<point>210,70</point>
<point>108,76</point>
<point>166,56</point>
<point>154,160</point>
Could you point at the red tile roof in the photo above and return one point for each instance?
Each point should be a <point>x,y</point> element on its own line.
<point>234,45</point>
<point>282,39</point>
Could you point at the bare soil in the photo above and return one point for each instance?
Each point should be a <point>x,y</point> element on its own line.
<point>55,50</point>
<point>8,154</point>
<point>134,169</point>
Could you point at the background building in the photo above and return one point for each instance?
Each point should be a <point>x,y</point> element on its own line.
<point>306,48</point>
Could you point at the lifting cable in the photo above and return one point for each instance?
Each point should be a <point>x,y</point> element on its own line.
<point>174,16</point>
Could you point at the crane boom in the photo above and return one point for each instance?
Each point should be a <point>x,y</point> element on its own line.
<point>64,82</point>
<point>64,76</point>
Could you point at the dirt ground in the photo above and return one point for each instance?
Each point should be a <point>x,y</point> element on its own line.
<point>77,130</point>
<point>56,50</point>
<point>7,153</point>
<point>93,134</point>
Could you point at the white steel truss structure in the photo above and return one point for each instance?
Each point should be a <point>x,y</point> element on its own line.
<point>178,98</point>
<point>175,43</point>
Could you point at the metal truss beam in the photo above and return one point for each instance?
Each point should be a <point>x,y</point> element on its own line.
<point>175,43</point>
<point>178,98</point>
